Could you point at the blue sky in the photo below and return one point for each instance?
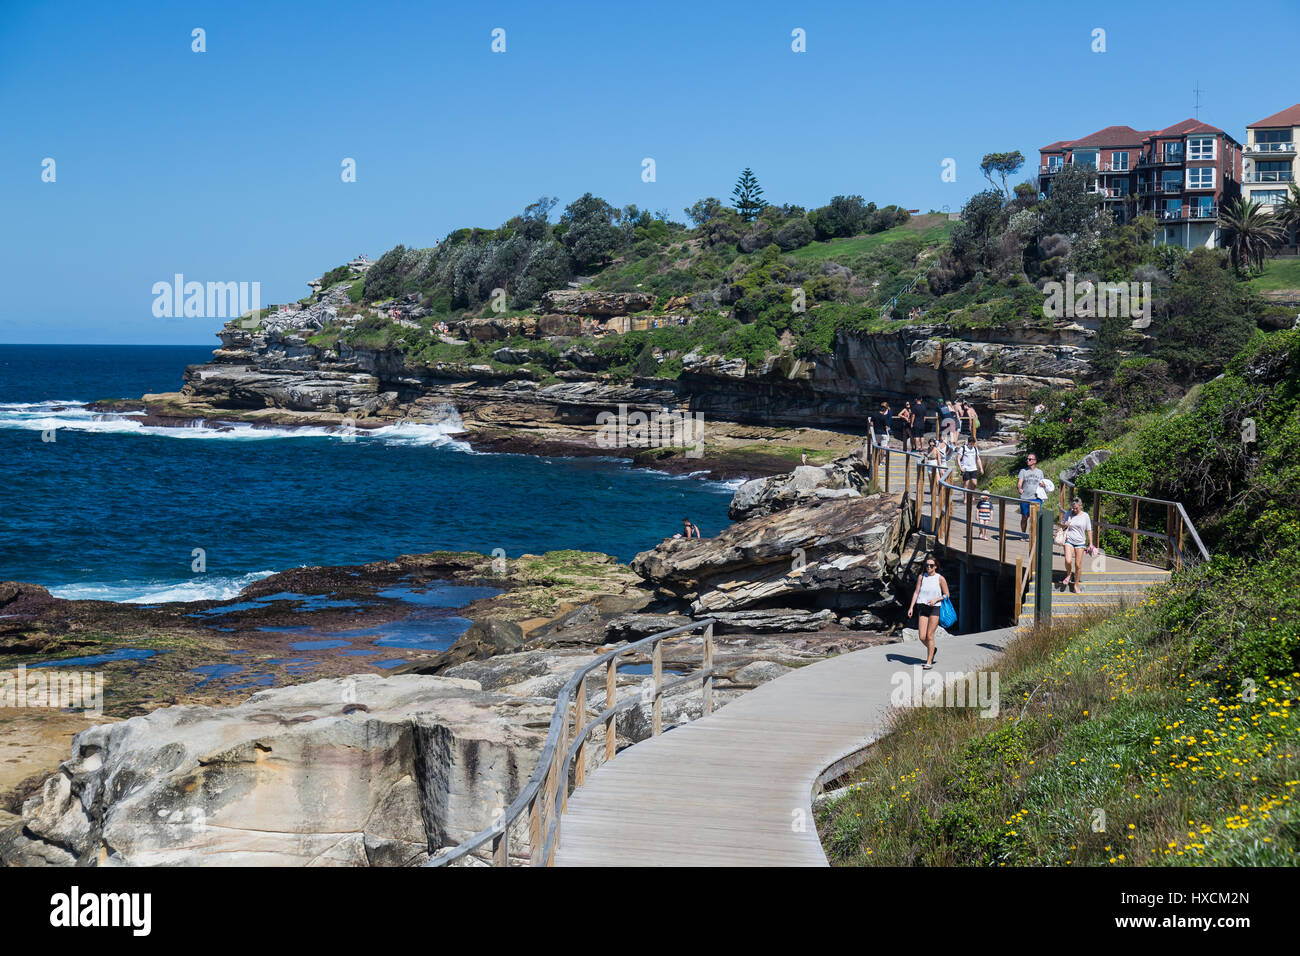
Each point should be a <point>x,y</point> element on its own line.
<point>225,165</point>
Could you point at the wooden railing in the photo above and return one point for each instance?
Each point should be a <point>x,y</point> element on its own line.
<point>1177,523</point>
<point>542,800</point>
<point>915,469</point>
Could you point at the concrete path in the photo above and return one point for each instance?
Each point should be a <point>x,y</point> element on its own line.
<point>735,788</point>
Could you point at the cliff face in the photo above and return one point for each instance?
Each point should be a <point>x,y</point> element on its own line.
<point>995,369</point>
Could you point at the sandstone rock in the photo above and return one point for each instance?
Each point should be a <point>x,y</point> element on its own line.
<point>1086,464</point>
<point>846,477</point>
<point>772,620</point>
<point>520,356</point>
<point>759,672</point>
<point>835,552</point>
<point>713,366</point>
<point>867,621</point>
<point>576,302</point>
<point>358,770</point>
<point>634,627</point>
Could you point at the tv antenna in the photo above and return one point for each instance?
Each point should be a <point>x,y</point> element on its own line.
<point>1197,91</point>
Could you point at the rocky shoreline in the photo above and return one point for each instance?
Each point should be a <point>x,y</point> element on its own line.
<point>183,773</point>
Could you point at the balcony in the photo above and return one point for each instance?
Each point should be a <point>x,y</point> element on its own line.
<point>1109,193</point>
<point>1050,169</point>
<point>1115,168</point>
<point>1271,176</point>
<point>1187,213</point>
<point>1162,160</point>
<point>1269,149</point>
<point>1153,189</point>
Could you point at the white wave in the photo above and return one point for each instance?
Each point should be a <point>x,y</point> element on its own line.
<point>74,416</point>
<point>199,588</point>
<point>417,433</point>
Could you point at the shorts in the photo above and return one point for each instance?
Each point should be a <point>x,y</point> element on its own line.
<point>927,610</point>
<point>1024,508</point>
<point>970,476</point>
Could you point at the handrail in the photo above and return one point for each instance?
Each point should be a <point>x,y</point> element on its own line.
<point>1172,535</point>
<point>941,516</point>
<point>552,770</point>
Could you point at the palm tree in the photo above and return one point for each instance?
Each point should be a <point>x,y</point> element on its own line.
<point>1250,233</point>
<point>1289,212</point>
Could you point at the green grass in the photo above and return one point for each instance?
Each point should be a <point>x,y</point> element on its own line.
<point>930,229</point>
<point>1278,274</point>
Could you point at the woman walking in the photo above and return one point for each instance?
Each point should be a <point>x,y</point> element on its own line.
<point>1080,539</point>
<point>931,589</point>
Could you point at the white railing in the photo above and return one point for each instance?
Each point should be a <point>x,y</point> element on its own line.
<point>1270,148</point>
<point>1271,176</point>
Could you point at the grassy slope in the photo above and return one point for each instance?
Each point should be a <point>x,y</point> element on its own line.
<point>1278,274</point>
<point>1108,750</point>
<point>930,229</point>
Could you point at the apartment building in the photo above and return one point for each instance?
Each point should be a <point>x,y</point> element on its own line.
<point>1271,163</point>
<point>1182,175</point>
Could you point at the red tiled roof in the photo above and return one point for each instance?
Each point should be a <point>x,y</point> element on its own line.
<point>1288,117</point>
<point>1188,126</point>
<point>1059,144</point>
<point>1110,136</point>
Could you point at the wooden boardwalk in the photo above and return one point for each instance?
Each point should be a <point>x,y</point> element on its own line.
<point>735,788</point>
<point>1108,580</point>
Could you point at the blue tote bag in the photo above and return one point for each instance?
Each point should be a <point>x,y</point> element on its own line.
<point>947,616</point>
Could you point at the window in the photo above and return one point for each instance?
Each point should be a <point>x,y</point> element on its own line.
<point>1173,152</point>
<point>1272,136</point>
<point>1120,186</point>
<point>1200,177</point>
<point>1269,197</point>
<point>1200,147</point>
<point>1119,161</point>
<point>1053,162</point>
<point>1085,157</point>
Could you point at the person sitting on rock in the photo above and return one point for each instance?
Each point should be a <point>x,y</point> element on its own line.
<point>690,529</point>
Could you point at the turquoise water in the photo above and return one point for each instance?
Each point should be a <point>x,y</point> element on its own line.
<point>113,510</point>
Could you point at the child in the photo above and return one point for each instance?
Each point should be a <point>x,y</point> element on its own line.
<point>984,514</point>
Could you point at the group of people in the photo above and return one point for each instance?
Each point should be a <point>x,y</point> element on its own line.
<point>914,422</point>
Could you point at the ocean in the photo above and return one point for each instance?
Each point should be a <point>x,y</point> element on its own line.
<point>112,510</point>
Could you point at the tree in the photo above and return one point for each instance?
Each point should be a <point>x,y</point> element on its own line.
<point>534,224</point>
<point>1289,212</point>
<point>590,236</point>
<point>704,210</point>
<point>1205,319</point>
<point>844,216</point>
<point>1249,233</point>
<point>1071,209</point>
<point>748,196</point>
<point>1004,164</point>
<point>982,218</point>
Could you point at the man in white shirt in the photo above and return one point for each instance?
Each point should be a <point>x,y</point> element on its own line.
<point>1027,487</point>
<point>971,463</point>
